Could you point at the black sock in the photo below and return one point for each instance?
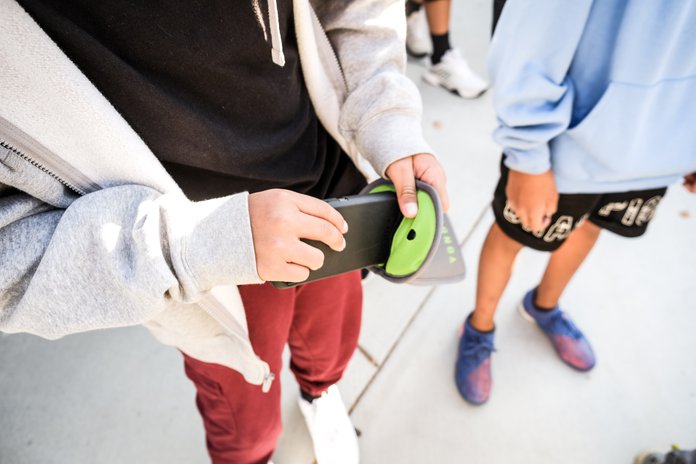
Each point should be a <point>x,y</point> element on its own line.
<point>307,397</point>
<point>441,44</point>
<point>412,7</point>
<point>536,306</point>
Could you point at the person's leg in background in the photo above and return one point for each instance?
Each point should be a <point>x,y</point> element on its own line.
<point>418,43</point>
<point>242,423</point>
<point>438,15</point>
<point>448,68</point>
<point>428,28</point>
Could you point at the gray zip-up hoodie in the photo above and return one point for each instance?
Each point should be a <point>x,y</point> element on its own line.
<point>95,234</point>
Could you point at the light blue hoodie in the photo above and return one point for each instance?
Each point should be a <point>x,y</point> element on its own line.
<point>602,92</point>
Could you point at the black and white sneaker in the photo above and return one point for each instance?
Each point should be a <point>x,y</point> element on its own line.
<point>418,42</point>
<point>454,74</point>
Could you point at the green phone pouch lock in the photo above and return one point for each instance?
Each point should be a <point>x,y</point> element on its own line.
<point>415,240</point>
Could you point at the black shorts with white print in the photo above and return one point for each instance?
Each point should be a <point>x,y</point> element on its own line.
<point>625,213</point>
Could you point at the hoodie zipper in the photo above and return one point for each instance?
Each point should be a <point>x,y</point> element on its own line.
<point>20,144</point>
<point>267,382</point>
<point>327,44</point>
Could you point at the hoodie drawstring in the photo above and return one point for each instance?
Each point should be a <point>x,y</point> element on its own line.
<point>276,42</point>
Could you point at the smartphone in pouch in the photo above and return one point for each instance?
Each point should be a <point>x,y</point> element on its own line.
<point>372,220</point>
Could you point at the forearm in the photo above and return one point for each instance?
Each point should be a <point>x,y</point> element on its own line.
<point>381,114</point>
<point>117,257</point>
<point>529,60</point>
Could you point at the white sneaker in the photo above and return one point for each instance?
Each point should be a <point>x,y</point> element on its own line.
<point>454,74</point>
<point>332,432</point>
<point>418,42</point>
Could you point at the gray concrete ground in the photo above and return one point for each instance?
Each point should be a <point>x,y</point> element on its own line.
<point>118,397</point>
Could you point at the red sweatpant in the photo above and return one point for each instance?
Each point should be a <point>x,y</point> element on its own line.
<point>320,321</point>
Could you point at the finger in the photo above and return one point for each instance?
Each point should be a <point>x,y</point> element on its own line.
<point>444,196</point>
<point>401,175</point>
<point>314,228</point>
<point>321,209</point>
<point>536,220</point>
<point>428,169</point>
<point>439,183</point>
<point>548,215</point>
<point>291,272</point>
<point>305,255</point>
<point>546,221</point>
<point>525,219</point>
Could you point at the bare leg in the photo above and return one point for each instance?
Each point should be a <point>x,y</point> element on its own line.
<point>495,267</point>
<point>564,263</point>
<point>438,13</point>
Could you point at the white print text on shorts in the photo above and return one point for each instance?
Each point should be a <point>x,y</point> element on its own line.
<point>637,211</point>
<point>557,231</point>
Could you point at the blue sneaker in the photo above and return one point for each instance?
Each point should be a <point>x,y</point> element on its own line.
<point>570,344</point>
<point>473,370</point>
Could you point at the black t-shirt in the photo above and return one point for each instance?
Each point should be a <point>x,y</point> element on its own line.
<point>196,81</point>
